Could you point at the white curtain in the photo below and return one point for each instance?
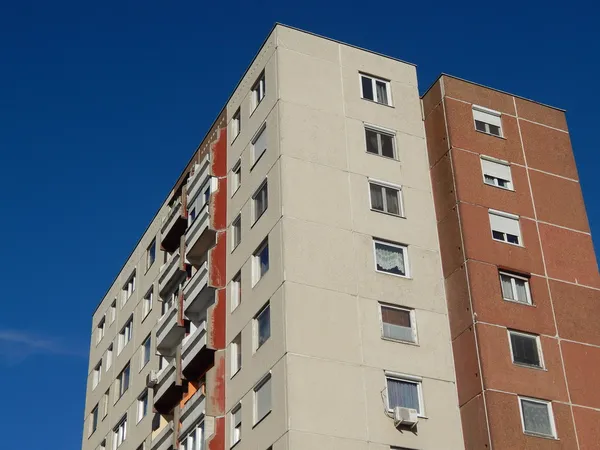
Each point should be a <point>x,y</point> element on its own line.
<point>403,393</point>
<point>535,417</point>
<point>507,291</point>
<point>389,258</point>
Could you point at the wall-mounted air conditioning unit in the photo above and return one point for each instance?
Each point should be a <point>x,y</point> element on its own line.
<point>151,379</point>
<point>405,417</point>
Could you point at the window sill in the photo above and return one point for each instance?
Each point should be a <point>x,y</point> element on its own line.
<point>393,274</point>
<point>499,187</point>
<point>543,436</point>
<point>235,137</point>
<point>509,243</point>
<point>236,246</point>
<point>258,218</point>
<point>518,303</point>
<point>399,216</point>
<point>399,341</point>
<point>527,366</point>
<point>256,106</point>
<point>236,443</point>
<point>257,160</point>
<point>146,315</point>
<point>490,134</point>
<point>378,103</point>
<point>261,419</point>
<point>235,373</point>
<point>234,192</point>
<point>383,156</point>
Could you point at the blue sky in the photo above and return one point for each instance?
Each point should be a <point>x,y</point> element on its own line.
<point>103,103</point>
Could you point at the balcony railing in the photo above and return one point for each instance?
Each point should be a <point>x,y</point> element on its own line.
<point>168,390</point>
<point>170,330</point>
<point>197,294</point>
<point>192,411</point>
<point>173,226</point>
<point>196,357</point>
<point>199,237</point>
<point>165,439</point>
<point>171,274</point>
<point>201,173</point>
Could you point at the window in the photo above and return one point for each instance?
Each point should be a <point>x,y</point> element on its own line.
<point>147,302</point>
<point>102,445</point>
<point>236,232</point>
<point>406,393</point>
<point>142,405</point>
<point>398,324</point>
<point>259,144</point>
<point>262,326</point>
<point>105,403</point>
<point>109,357</point>
<point>151,254</point>
<point>125,335</point>
<point>236,291</point>
<point>236,177</point>
<point>380,142</point>
<point>258,92</point>
<point>260,262</point>
<point>515,288</point>
<point>120,432</point>
<point>123,382</point>
<point>93,424</point>
<point>487,120</point>
<point>97,375</point>
<point>236,424</point>
<point>375,89</point>
<point>526,349</point>
<point>100,330</point>
<point>146,352</point>
<point>128,288</point>
<point>505,227</point>
<point>236,354</point>
<point>262,399</point>
<point>496,173</point>
<point>113,311</point>
<point>260,201</point>
<point>391,258</point>
<point>236,125</point>
<point>537,417</point>
<point>194,439</point>
<point>386,198</point>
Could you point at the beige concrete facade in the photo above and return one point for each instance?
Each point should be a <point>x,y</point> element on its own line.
<point>325,355</point>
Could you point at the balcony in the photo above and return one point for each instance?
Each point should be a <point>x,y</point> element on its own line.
<point>164,440</point>
<point>193,410</point>
<point>170,330</point>
<point>197,294</point>
<point>200,175</point>
<point>199,237</point>
<point>171,274</point>
<point>168,390</point>
<point>173,226</point>
<point>196,357</point>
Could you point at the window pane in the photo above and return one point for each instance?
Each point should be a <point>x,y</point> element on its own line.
<point>512,238</point>
<point>264,260</point>
<point>393,206</point>
<point>479,126</point>
<point>498,235</point>
<point>376,197</point>
<point>389,259</point>
<point>525,350</point>
<point>494,129</point>
<point>372,146</point>
<point>367,87</point>
<point>536,418</point>
<point>387,145</point>
<point>507,291</point>
<point>264,326</point>
<point>397,324</point>
<point>402,393</point>
<point>263,400</point>
<point>382,92</point>
<point>521,290</point>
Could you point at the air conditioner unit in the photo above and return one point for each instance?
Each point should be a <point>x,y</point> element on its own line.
<point>151,379</point>
<point>405,417</point>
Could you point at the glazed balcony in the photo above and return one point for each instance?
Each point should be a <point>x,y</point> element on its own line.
<point>199,237</point>
<point>192,411</point>
<point>196,357</point>
<point>197,294</point>
<point>164,440</point>
<point>199,176</point>
<point>170,330</point>
<point>168,390</point>
<point>173,226</point>
<point>172,273</point>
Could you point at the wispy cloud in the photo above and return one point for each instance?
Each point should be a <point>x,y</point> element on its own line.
<point>16,346</point>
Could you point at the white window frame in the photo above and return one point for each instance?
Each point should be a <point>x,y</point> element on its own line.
<point>120,381</point>
<point>100,328</point>
<point>538,342</point>
<point>143,355</point>
<point>256,275</point>
<point>374,79</point>
<point>490,112</point>
<point>128,289</point>
<point>236,177</point>
<point>413,323</point>
<point>505,215</point>
<point>255,393</point>
<point>125,335</point>
<point>258,92</point>
<point>150,261</point>
<point>142,398</point>
<point>236,232</point>
<point>550,417</point>
<point>92,427</point>
<point>255,329</point>
<point>387,132</point>
<point>105,398</point>
<point>97,375</point>
<point>256,157</point>
<point>113,311</point>
<point>236,124</point>
<point>236,355</point>
<point>258,193</point>
<point>109,357</point>
<point>197,437</point>
<point>120,432</point>
<point>404,249</point>
<point>489,159</point>
<point>514,287</point>
<point>386,186</point>
<point>236,291</point>
<point>147,302</point>
<point>407,379</point>
<point>237,408</point>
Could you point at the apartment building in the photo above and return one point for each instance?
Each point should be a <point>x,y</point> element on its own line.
<point>521,274</point>
<point>292,291</point>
